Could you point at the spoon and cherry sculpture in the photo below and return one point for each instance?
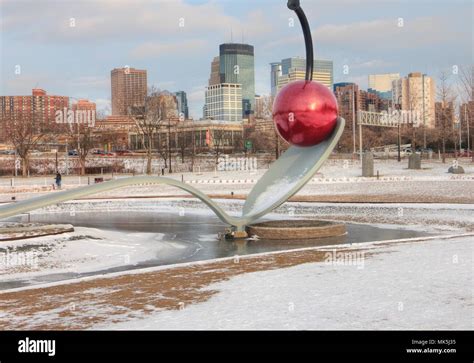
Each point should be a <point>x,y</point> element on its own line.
<point>304,114</point>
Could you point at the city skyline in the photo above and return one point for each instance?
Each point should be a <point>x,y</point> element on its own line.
<point>79,58</point>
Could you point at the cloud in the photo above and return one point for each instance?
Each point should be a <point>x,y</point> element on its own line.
<point>161,49</point>
<point>384,33</point>
<point>104,105</point>
<point>371,63</point>
<point>166,84</point>
<point>115,20</point>
<point>196,100</point>
<point>22,85</point>
<point>90,81</point>
<point>380,35</point>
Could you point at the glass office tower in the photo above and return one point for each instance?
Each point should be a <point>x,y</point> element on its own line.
<point>182,103</point>
<point>293,69</point>
<point>236,65</point>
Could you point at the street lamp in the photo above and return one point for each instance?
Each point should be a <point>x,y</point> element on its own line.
<point>169,143</point>
<point>353,91</point>
<point>398,126</point>
<point>423,105</point>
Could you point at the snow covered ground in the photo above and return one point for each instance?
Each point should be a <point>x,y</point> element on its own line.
<point>84,250</point>
<point>423,285</point>
<point>337,181</point>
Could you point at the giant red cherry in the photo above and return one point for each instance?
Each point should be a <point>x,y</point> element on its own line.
<point>305,113</point>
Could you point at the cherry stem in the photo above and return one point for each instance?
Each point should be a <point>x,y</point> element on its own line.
<point>295,5</point>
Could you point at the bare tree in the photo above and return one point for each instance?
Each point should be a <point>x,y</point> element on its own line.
<point>466,78</point>
<point>85,143</point>
<point>151,118</point>
<point>25,131</point>
<point>268,115</point>
<point>446,97</point>
<point>217,140</point>
<point>80,137</point>
<point>186,145</point>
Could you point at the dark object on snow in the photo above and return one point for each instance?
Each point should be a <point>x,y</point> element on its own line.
<point>414,161</point>
<point>458,170</point>
<point>367,164</point>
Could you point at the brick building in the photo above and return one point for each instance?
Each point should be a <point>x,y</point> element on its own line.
<point>39,107</point>
<point>129,89</point>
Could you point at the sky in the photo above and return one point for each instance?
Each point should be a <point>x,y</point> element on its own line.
<point>69,47</point>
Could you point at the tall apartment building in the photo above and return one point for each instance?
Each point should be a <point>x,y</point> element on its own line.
<point>215,77</point>
<point>182,100</point>
<point>39,107</point>
<point>381,84</point>
<point>416,93</point>
<point>294,69</point>
<point>236,66</point>
<point>348,101</point>
<point>259,106</point>
<point>129,89</point>
<point>224,102</point>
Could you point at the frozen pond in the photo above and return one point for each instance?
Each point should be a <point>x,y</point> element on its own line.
<point>182,238</point>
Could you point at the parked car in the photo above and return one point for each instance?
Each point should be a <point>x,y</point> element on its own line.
<point>7,152</point>
<point>72,153</point>
<point>424,150</point>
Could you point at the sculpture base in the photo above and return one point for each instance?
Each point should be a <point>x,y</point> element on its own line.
<point>296,229</point>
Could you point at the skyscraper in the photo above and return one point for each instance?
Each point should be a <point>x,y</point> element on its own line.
<point>129,88</point>
<point>182,103</point>
<point>215,77</point>
<point>416,93</point>
<point>224,102</point>
<point>294,69</point>
<point>381,84</point>
<point>236,66</point>
<point>275,73</point>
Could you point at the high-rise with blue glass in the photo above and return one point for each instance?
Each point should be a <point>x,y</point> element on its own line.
<point>182,104</point>
<point>236,65</point>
